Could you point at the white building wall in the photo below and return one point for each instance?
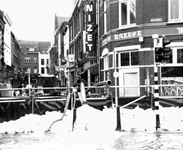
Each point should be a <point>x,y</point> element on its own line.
<point>66,43</point>
<point>7,40</point>
<point>46,57</point>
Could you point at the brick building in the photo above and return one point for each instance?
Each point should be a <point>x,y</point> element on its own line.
<point>2,24</point>
<point>35,56</point>
<point>83,41</point>
<point>56,52</point>
<point>131,29</point>
<point>17,73</point>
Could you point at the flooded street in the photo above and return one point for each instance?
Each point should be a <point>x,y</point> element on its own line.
<point>94,130</point>
<point>84,141</point>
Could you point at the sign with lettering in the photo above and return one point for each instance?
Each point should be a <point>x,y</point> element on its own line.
<point>122,36</point>
<point>142,33</point>
<point>126,35</point>
<point>180,30</point>
<point>156,19</point>
<point>89,26</point>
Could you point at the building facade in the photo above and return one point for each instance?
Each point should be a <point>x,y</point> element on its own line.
<point>129,32</point>
<point>6,74</point>
<point>35,56</point>
<point>57,50</point>
<point>2,24</point>
<point>10,69</point>
<point>17,72</point>
<point>83,41</point>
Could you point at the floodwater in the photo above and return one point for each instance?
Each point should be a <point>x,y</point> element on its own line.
<point>134,140</point>
<point>95,130</point>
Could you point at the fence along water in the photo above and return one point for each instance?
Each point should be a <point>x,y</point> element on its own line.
<point>43,103</point>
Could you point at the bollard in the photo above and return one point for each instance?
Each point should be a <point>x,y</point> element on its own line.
<point>74,117</point>
<point>118,118</point>
<point>32,97</point>
<point>156,97</point>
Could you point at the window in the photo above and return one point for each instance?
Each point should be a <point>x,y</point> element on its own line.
<point>175,53</point>
<point>129,58</point>
<point>127,12</point>
<point>42,61</point>
<point>35,69</point>
<point>168,61</point>
<point>48,70</point>
<point>105,18</point>
<point>125,59</point>
<point>134,58</point>
<point>180,55</point>
<point>31,49</point>
<point>96,15</point>
<point>42,70</point>
<point>35,60</point>
<point>27,59</point>
<point>175,10</point>
<point>106,62</point>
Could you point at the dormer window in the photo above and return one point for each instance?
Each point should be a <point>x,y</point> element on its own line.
<point>31,49</point>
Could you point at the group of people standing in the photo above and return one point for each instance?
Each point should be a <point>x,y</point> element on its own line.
<point>23,90</point>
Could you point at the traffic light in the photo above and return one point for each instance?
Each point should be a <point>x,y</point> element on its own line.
<point>161,51</point>
<point>158,54</point>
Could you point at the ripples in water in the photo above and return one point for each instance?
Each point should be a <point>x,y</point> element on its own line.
<point>121,141</point>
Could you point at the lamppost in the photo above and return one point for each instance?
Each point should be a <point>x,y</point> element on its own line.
<point>28,72</point>
<point>29,86</point>
<point>116,75</point>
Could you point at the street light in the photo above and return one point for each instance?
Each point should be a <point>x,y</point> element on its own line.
<point>116,75</point>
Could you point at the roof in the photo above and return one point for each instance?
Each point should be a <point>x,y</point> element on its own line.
<point>59,20</point>
<point>39,46</point>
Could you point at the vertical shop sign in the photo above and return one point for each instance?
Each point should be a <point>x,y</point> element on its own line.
<point>89,26</point>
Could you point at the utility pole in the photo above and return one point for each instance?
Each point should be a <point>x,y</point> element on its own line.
<point>29,86</point>
<point>116,75</point>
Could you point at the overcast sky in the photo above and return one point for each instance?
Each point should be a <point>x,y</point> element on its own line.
<point>34,19</point>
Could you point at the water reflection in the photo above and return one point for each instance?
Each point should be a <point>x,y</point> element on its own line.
<point>149,141</point>
<point>123,141</point>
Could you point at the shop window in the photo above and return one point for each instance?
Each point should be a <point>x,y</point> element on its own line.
<point>127,12</point>
<point>129,58</point>
<point>125,59</point>
<point>174,76</point>
<point>175,10</point>
<point>134,58</point>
